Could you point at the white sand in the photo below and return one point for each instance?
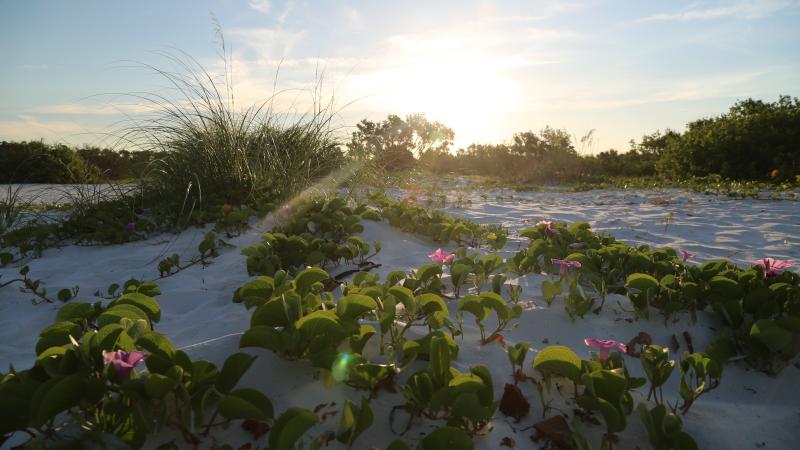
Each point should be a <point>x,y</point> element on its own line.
<point>748,410</point>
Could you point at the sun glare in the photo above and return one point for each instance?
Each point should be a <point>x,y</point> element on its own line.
<point>467,92</point>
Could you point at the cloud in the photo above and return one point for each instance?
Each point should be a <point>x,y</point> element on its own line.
<point>262,6</point>
<point>92,109</point>
<point>268,42</point>
<point>748,9</point>
<point>34,67</point>
<point>26,127</point>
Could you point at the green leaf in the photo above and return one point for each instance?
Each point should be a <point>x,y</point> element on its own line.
<point>141,301</point>
<point>642,282</point>
<point>247,404</point>
<point>353,306</point>
<point>160,349</point>
<point>235,366</point>
<point>307,278</point>
<point>290,427</point>
<point>320,323</point>
<point>772,335</point>
<point>725,288</point>
<point>428,271</point>
<point>354,421</point>
<point>57,334</point>
<point>116,313</point>
<point>472,304</point>
<point>272,313</point>
<point>430,303</point>
<point>74,311</point>
<point>404,296</point>
<point>55,396</point>
<point>157,385</point>
<point>449,438</point>
<point>496,302</point>
<point>262,336</point>
<point>558,360</point>
<point>550,289</point>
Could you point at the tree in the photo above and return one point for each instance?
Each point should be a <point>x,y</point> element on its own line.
<point>393,143</point>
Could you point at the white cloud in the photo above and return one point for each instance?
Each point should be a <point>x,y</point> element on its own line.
<point>262,6</point>
<point>34,67</point>
<point>747,9</point>
<point>27,127</point>
<point>92,109</point>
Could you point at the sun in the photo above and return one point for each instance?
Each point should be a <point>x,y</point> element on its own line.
<point>467,92</point>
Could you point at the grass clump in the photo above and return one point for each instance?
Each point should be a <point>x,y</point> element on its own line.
<point>209,152</point>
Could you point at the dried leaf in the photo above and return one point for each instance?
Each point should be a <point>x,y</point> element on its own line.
<point>513,403</point>
<point>556,430</point>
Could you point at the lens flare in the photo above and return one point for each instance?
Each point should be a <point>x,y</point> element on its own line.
<point>342,365</point>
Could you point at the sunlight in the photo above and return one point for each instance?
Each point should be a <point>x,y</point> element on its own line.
<point>464,92</point>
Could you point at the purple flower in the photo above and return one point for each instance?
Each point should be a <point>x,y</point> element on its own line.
<point>605,345</point>
<point>773,267</point>
<point>131,227</point>
<point>441,257</point>
<point>565,265</point>
<point>685,255</point>
<point>123,362</point>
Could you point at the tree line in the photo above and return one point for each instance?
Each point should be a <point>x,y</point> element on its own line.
<point>754,140</point>
<point>37,162</point>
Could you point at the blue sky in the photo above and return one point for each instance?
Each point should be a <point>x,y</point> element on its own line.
<point>486,68</point>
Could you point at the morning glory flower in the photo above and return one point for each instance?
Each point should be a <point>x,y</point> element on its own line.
<point>123,362</point>
<point>773,267</point>
<point>685,255</point>
<point>605,345</point>
<point>565,265</point>
<point>441,257</point>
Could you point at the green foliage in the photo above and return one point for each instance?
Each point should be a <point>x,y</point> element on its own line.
<point>725,145</point>
<point>354,421</point>
<point>658,368</point>
<point>665,429</point>
<point>436,225</point>
<point>321,236</point>
<point>466,400</point>
<point>700,373</point>
<point>558,360</point>
<point>481,306</point>
<point>71,375</point>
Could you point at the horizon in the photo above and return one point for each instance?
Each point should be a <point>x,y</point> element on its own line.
<point>487,70</point>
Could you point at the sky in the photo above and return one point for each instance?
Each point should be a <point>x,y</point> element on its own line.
<point>487,69</point>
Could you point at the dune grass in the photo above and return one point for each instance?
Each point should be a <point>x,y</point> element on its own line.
<point>210,152</point>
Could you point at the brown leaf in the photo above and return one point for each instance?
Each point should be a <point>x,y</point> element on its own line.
<point>556,430</point>
<point>673,343</point>
<point>256,428</point>
<point>513,403</point>
<point>247,446</point>
<point>641,339</point>
<point>319,407</point>
<point>688,338</point>
<point>508,441</point>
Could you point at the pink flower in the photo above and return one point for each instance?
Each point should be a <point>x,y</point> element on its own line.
<point>773,267</point>
<point>605,345</point>
<point>686,255</point>
<point>565,265</point>
<point>441,257</point>
<point>549,228</point>
<point>131,227</point>
<point>123,362</point>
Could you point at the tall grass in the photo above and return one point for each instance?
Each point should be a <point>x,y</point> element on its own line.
<point>209,151</point>
<point>11,207</point>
